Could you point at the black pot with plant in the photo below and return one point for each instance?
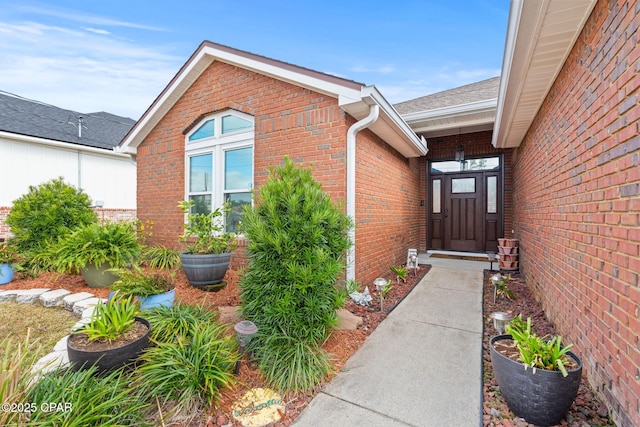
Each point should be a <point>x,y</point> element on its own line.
<point>114,337</point>
<point>539,379</point>
<point>94,249</point>
<point>208,246</point>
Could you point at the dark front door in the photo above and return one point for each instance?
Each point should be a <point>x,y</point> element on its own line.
<point>466,211</point>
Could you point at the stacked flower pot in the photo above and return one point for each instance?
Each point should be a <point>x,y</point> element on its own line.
<point>508,251</point>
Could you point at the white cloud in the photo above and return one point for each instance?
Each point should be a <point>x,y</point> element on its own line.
<point>384,69</point>
<point>84,69</point>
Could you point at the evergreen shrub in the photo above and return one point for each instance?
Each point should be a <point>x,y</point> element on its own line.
<point>297,245</point>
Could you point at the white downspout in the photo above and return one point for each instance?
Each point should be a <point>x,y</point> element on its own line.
<point>351,183</point>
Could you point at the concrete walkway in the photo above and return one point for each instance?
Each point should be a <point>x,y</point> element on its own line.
<point>422,366</point>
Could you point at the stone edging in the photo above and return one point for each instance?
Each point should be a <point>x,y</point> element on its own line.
<point>81,304</point>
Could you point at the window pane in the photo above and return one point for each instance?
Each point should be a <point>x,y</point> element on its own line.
<point>238,169</point>
<point>200,171</point>
<point>237,202</point>
<point>488,163</point>
<point>436,203</point>
<point>463,185</point>
<point>234,124</point>
<point>201,204</point>
<point>492,194</point>
<point>205,131</point>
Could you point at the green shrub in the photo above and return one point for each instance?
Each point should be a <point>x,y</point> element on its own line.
<point>176,324</point>
<point>47,212</point>
<point>297,243</point>
<point>161,257</point>
<point>86,399</point>
<point>136,282</point>
<point>187,374</point>
<point>112,242</point>
<point>111,320</point>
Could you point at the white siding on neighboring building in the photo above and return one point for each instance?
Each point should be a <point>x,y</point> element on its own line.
<point>106,176</point>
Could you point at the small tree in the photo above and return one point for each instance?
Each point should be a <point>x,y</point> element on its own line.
<point>297,243</point>
<point>47,212</point>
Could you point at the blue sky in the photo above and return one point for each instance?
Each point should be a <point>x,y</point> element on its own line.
<point>116,56</point>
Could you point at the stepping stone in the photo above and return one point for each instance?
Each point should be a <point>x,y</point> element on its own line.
<point>70,300</point>
<point>8,295</point>
<point>53,298</point>
<point>347,321</point>
<point>82,305</point>
<point>29,296</point>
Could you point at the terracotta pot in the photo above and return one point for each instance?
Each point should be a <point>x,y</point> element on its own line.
<point>541,397</point>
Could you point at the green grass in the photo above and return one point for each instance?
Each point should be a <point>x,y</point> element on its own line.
<point>47,325</point>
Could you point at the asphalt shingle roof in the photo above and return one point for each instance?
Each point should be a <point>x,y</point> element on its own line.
<point>32,118</point>
<point>479,91</point>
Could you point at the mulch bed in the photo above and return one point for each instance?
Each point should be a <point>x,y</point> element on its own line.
<point>586,411</point>
<point>341,344</point>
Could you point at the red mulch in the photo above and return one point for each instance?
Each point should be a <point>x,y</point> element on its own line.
<point>586,411</point>
<point>341,344</point>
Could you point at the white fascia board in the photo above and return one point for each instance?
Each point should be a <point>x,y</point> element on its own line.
<point>370,95</point>
<point>61,145</point>
<point>182,81</point>
<point>483,106</point>
<point>280,73</point>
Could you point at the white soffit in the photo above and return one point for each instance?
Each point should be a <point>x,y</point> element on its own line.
<point>463,118</point>
<point>540,36</point>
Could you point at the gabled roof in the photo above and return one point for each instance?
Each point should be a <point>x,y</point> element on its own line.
<point>29,118</point>
<point>469,108</point>
<point>540,36</point>
<point>355,98</point>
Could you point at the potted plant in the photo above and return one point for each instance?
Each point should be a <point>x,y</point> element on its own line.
<point>539,379</point>
<point>152,289</point>
<point>94,249</point>
<point>208,246</point>
<point>8,263</point>
<point>115,337</point>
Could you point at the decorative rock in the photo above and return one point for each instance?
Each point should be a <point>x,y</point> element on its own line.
<point>51,362</point>
<point>61,345</point>
<point>258,407</point>
<point>53,298</point>
<point>8,295</point>
<point>82,305</point>
<point>28,296</point>
<point>70,300</point>
<point>347,321</point>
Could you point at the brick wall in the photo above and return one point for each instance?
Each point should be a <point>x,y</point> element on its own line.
<point>476,144</point>
<point>308,127</point>
<point>577,205</point>
<point>387,207</point>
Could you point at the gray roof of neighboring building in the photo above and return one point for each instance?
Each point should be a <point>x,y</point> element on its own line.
<point>32,118</point>
<point>474,92</point>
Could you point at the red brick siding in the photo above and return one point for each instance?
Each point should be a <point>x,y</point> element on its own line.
<point>387,207</point>
<point>577,204</point>
<point>475,145</point>
<point>4,228</point>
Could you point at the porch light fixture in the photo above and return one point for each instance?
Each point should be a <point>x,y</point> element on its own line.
<point>380,283</point>
<point>245,330</point>
<point>500,321</point>
<point>460,153</point>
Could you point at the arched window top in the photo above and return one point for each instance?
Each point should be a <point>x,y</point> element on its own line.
<point>220,124</point>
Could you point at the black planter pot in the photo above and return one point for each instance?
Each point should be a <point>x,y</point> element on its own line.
<point>541,398</point>
<point>108,360</point>
<point>205,269</point>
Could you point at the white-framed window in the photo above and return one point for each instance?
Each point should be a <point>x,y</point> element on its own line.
<point>219,164</point>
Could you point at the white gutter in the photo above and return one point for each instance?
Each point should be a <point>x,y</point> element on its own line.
<point>374,112</point>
